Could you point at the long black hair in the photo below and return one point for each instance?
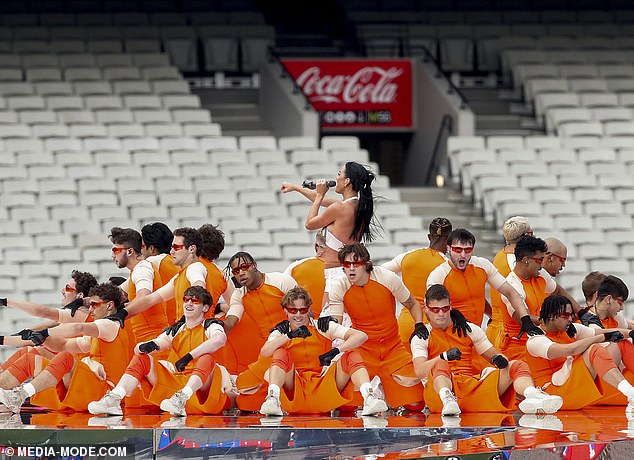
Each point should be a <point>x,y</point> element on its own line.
<point>364,221</point>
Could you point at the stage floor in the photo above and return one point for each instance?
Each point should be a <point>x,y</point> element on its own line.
<point>602,432</point>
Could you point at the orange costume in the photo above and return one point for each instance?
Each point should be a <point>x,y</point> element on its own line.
<point>315,388</point>
<point>165,265</point>
<point>169,380</point>
<point>263,309</point>
<point>533,291</point>
<point>415,266</point>
<point>309,274</point>
<point>216,283</point>
<point>568,377</point>
<point>149,323</point>
<point>93,374</point>
<point>175,288</point>
<point>466,287</point>
<point>372,309</point>
<point>504,262</point>
<point>476,391</point>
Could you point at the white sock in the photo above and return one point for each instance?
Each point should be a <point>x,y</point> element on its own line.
<point>626,388</point>
<point>529,390</point>
<point>274,390</point>
<point>188,391</point>
<point>119,391</point>
<point>127,384</point>
<point>365,389</point>
<point>29,389</point>
<point>444,392</point>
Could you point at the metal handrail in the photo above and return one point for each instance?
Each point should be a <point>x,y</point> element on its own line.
<point>446,123</point>
<point>439,73</point>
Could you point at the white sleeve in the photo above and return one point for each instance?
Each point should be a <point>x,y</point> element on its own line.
<point>83,343</point>
<point>583,332</point>
<point>538,345</point>
<point>236,308</point>
<point>108,330</point>
<point>335,331</point>
<point>335,297</point>
<point>274,335</point>
<point>395,265</point>
<point>420,346</point>
<point>214,329</point>
<point>167,290</point>
<point>196,272</point>
<point>64,315</point>
<point>124,286</point>
<point>621,321</point>
<point>143,276</point>
<point>551,284</point>
<point>393,283</point>
<point>480,341</point>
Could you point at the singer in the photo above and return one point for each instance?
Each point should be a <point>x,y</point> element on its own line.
<point>343,221</point>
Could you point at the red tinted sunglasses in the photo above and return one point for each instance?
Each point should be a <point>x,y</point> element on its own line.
<point>192,299</point>
<point>444,309</point>
<point>458,249</point>
<point>353,263</point>
<point>294,311</point>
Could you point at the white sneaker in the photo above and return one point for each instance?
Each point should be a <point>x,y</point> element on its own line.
<point>110,404</point>
<point>372,405</point>
<point>541,402</point>
<point>452,421</point>
<point>450,405</point>
<point>110,421</point>
<point>629,411</point>
<point>12,399</point>
<point>271,406</point>
<point>176,404</point>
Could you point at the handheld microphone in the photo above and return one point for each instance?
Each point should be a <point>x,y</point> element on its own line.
<point>310,184</point>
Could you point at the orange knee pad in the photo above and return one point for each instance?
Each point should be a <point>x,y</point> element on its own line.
<point>282,359</point>
<point>17,355</point>
<point>139,367</point>
<point>61,364</point>
<point>519,369</point>
<point>203,367</point>
<point>440,368</point>
<point>23,366</point>
<point>601,360</point>
<point>351,362</point>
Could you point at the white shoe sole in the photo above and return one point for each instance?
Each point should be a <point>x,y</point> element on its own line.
<point>167,406</point>
<point>104,411</point>
<point>376,408</point>
<point>537,406</point>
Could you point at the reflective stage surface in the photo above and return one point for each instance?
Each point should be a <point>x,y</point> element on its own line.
<point>602,433</point>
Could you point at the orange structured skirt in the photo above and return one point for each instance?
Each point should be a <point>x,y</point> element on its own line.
<point>391,362</point>
<point>84,387</point>
<point>313,393</point>
<point>474,394</point>
<point>251,385</point>
<point>580,390</point>
<point>212,401</point>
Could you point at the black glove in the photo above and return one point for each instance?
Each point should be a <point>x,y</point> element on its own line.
<point>613,336</point>
<point>148,347</point>
<point>500,361</point>
<point>1,339</point>
<point>452,354</point>
<point>323,323</point>
<point>420,331</point>
<point>301,332</point>
<point>181,363</point>
<point>631,334</point>
<point>326,358</point>
<point>209,321</point>
<point>571,331</point>
<point>529,327</point>
<point>3,301</point>
<point>74,306</point>
<point>588,318</point>
<point>24,334</point>
<point>173,328</point>
<point>283,327</point>
<point>460,323</point>
<point>118,317</point>
<point>38,337</point>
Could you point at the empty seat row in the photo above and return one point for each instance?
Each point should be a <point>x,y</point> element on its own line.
<point>98,102</point>
<point>64,88</point>
<point>53,60</point>
<point>522,73</point>
<point>87,74</point>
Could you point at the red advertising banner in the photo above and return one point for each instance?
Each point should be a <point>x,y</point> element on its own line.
<point>357,93</point>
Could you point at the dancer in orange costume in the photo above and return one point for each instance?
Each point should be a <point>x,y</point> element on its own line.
<point>302,353</point>
<point>309,273</point>
<point>67,380</point>
<point>415,266</point>
<point>190,369</point>
<point>575,361</point>
<point>445,363</point>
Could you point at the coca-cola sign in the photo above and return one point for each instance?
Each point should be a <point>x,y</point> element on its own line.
<point>357,93</point>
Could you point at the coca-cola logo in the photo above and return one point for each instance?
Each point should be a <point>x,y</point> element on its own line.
<point>367,85</point>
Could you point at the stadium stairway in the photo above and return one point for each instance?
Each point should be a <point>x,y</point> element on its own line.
<point>236,110</point>
<point>500,111</point>
<point>449,202</point>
